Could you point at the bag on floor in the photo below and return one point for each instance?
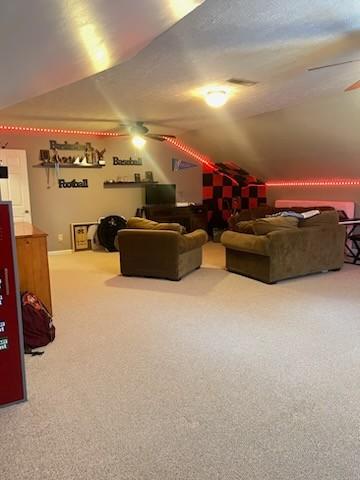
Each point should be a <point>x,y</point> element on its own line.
<point>108,229</point>
<point>37,322</point>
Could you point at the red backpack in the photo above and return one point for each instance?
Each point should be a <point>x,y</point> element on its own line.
<point>37,322</point>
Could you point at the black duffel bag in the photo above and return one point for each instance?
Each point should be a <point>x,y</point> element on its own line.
<point>107,231</point>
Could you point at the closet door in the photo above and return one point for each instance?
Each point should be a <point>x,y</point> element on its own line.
<point>16,187</point>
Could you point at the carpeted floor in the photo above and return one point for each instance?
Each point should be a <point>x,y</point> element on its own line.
<point>213,377</point>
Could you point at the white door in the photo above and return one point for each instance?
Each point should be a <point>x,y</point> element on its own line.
<point>16,187</point>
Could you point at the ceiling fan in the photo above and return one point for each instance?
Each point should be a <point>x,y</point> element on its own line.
<point>353,86</point>
<point>139,129</point>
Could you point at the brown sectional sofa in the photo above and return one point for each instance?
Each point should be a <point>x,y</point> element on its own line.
<point>317,244</point>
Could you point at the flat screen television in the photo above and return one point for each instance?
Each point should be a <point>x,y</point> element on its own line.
<point>4,172</point>
<point>160,194</point>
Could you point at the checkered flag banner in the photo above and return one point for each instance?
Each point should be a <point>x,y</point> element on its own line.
<point>231,188</point>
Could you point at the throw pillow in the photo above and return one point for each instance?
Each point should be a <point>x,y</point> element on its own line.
<point>145,223</point>
<point>245,227</point>
<point>262,226</point>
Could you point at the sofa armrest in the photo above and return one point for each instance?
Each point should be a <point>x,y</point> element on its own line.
<point>190,241</point>
<point>245,242</point>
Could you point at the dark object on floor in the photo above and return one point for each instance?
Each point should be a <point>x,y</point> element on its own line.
<point>355,238</point>
<point>37,322</point>
<point>30,351</point>
<point>216,234</point>
<point>108,229</point>
<point>217,225</point>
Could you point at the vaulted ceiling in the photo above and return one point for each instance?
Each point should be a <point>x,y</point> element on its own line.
<point>46,44</point>
<point>157,80</point>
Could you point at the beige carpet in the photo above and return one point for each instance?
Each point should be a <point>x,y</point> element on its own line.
<point>213,377</point>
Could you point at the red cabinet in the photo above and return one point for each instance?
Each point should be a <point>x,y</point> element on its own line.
<point>12,374</point>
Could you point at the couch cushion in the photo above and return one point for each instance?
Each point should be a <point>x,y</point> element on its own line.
<point>145,223</point>
<point>262,226</point>
<point>327,217</point>
<point>245,227</point>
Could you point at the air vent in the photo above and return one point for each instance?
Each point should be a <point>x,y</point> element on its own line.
<point>241,82</point>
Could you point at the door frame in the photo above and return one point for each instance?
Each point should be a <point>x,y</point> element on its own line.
<point>4,185</point>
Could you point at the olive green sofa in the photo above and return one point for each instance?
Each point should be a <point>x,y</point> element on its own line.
<point>151,249</point>
<point>316,245</point>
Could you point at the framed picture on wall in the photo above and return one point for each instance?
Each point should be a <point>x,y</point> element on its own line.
<point>44,156</point>
<point>80,236</point>
<point>149,177</point>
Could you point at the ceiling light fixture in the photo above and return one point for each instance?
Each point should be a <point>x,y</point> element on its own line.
<point>216,98</point>
<point>138,141</point>
<point>241,82</point>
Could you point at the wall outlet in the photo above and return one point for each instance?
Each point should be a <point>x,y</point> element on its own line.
<point>60,237</point>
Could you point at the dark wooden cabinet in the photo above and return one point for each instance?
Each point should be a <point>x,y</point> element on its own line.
<point>191,217</point>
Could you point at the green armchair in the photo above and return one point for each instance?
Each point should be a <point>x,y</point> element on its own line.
<point>160,253</point>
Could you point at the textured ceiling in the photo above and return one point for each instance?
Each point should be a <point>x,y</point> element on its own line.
<point>271,42</point>
<point>318,138</point>
<point>46,44</point>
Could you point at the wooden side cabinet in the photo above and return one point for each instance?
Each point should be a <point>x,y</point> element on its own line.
<point>33,265</point>
<point>192,217</point>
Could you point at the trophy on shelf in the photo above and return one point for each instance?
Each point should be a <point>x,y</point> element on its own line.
<point>55,157</point>
<point>44,156</point>
<point>100,156</point>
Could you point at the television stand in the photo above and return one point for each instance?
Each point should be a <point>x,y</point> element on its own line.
<point>191,217</point>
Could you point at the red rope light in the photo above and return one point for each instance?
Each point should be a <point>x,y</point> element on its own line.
<point>197,156</point>
<point>20,129</point>
<point>64,131</point>
<point>191,152</point>
<point>314,183</point>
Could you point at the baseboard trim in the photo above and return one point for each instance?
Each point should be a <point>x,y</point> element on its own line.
<point>60,252</point>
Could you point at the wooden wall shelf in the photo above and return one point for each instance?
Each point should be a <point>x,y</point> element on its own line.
<point>66,165</point>
<point>127,184</point>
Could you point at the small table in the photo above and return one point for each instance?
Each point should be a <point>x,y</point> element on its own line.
<point>351,224</point>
